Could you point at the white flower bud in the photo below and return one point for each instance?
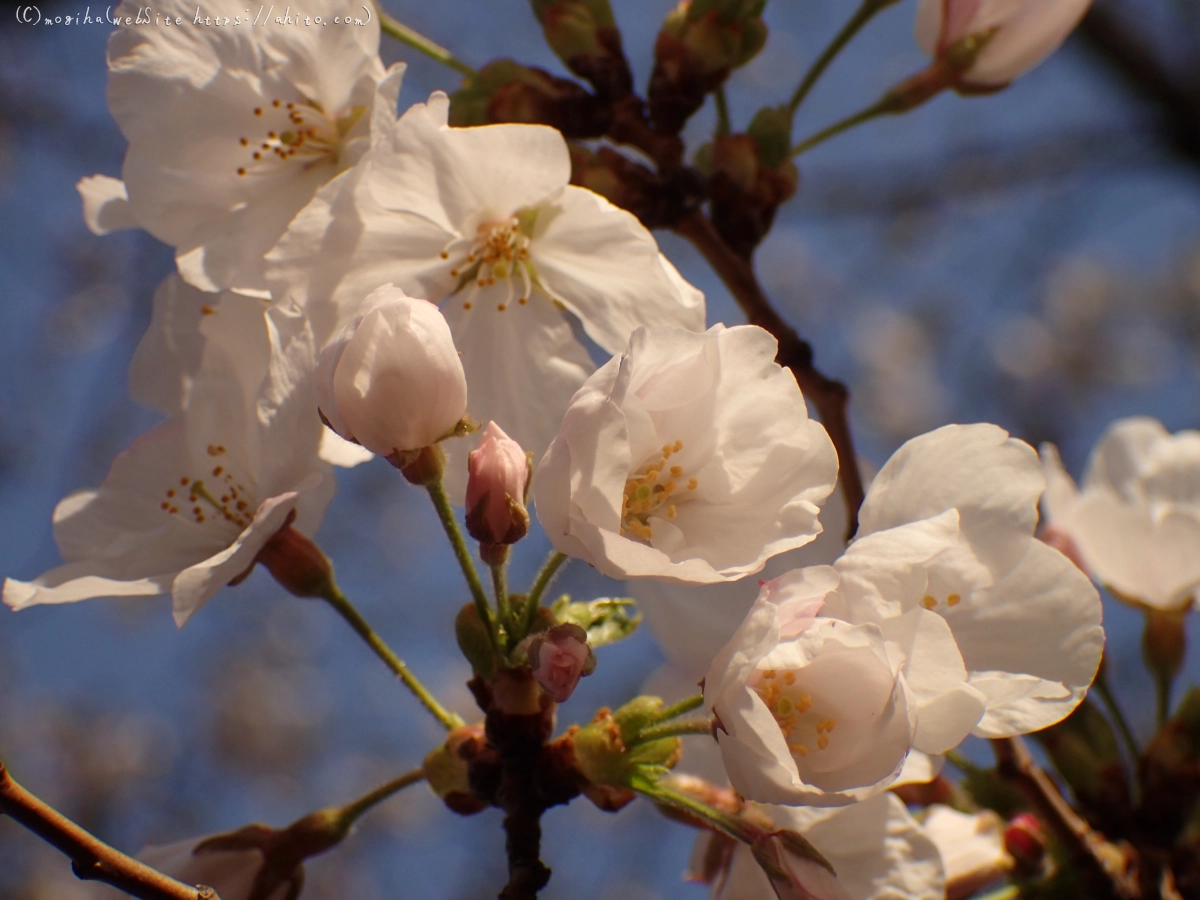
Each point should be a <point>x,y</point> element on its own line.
<point>1002,38</point>
<point>497,483</point>
<point>392,380</point>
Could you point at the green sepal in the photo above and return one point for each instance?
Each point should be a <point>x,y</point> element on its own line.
<point>606,620</point>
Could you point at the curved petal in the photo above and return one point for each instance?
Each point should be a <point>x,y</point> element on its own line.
<point>1039,627</point>
<point>603,265</point>
<point>105,204</point>
<point>994,482</point>
<point>458,178</point>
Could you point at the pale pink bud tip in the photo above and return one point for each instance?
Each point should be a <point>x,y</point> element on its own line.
<point>559,658</point>
<point>1025,842</point>
<point>497,482</point>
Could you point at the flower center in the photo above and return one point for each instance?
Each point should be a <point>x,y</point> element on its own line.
<point>228,501</point>
<point>302,131</point>
<point>647,492</point>
<point>792,708</point>
<point>499,251</point>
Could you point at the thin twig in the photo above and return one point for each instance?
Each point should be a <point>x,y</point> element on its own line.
<point>861,17</point>
<point>346,610</point>
<point>1100,863</point>
<point>441,503</point>
<point>352,812</point>
<point>91,858</point>
<point>828,396</point>
<point>406,35</point>
<point>673,729</point>
<point>540,583</point>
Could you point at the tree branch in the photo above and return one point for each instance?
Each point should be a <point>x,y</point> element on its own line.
<point>830,397</point>
<point>91,858</point>
<point>1102,865</point>
<point>1125,48</point>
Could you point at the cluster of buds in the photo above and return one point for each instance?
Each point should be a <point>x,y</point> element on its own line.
<point>506,91</point>
<point>584,35</point>
<point>700,43</point>
<point>750,176</point>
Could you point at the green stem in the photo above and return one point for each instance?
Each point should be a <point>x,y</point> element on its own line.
<point>335,598</point>
<point>437,493</point>
<point>865,13</point>
<point>722,105</point>
<point>673,729</point>
<point>676,710</point>
<point>406,35</point>
<point>500,589</point>
<point>351,812</point>
<point>884,107</point>
<point>540,583</point>
<point>1114,710</point>
<point>736,828</point>
<point>963,764</point>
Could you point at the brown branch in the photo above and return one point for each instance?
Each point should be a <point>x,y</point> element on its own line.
<point>91,859</point>
<point>1119,41</point>
<point>830,397</point>
<point>1103,866</point>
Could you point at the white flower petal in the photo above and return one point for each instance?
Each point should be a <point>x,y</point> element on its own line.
<point>994,482</point>
<point>105,204</point>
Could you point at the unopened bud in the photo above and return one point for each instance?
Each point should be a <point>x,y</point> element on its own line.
<point>392,380</point>
<point>506,91</point>
<point>559,658</point>
<point>607,751</point>
<point>296,562</point>
<point>584,35</point>
<point>701,42</point>
<point>1026,844</point>
<point>475,641</point>
<point>497,485</point>
<point>991,42</point>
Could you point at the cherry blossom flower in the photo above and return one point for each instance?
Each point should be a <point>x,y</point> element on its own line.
<point>169,355</point>
<point>1006,37</point>
<point>189,505</point>
<point>971,846</point>
<point>947,526</point>
<point>483,221</point>
<point>815,710</point>
<point>877,849</point>
<point>689,457</point>
<point>1136,522</point>
<point>232,130</point>
<point>392,380</point>
<point>985,629</point>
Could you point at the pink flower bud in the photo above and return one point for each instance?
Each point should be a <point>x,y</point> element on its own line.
<point>1026,843</point>
<point>392,380</point>
<point>991,42</point>
<point>497,483</point>
<point>559,658</point>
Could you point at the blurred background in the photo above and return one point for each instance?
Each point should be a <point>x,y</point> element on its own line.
<point>1030,258</point>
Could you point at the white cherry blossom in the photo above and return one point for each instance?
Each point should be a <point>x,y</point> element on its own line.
<point>189,505</point>
<point>689,457</point>
<point>169,355</point>
<point>1136,521</point>
<point>877,849</point>
<point>483,221</point>
<point>971,846</point>
<point>1013,35</point>
<point>233,129</point>
<point>947,526</point>
<point>815,710</point>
